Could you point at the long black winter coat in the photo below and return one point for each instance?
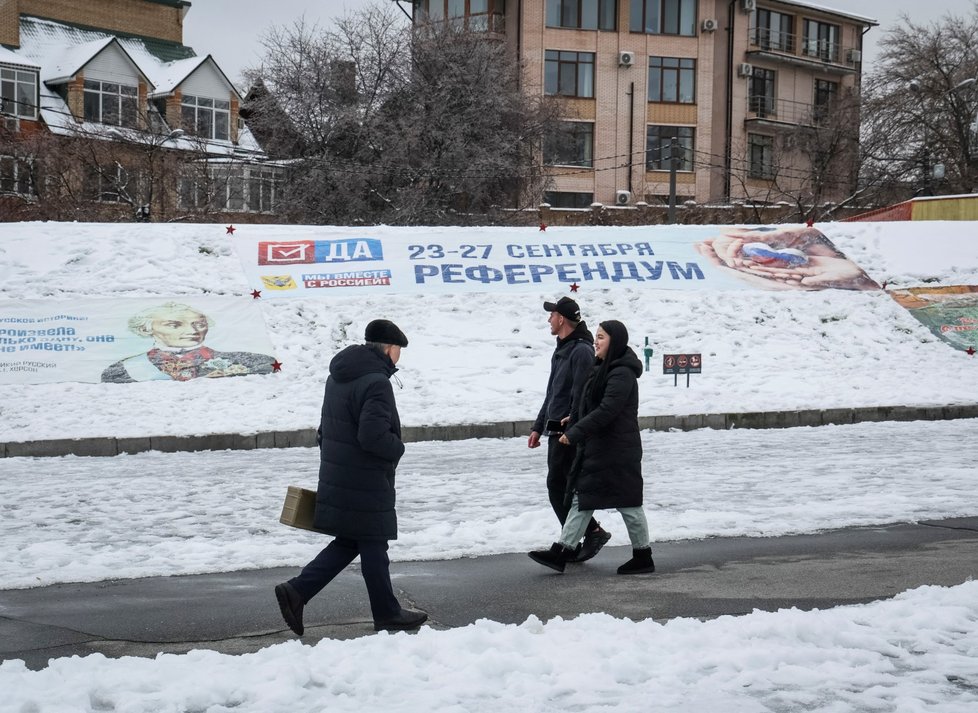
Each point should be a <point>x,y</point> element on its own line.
<point>607,472</point>
<point>360,447</point>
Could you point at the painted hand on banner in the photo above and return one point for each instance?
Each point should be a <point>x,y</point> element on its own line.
<point>786,258</point>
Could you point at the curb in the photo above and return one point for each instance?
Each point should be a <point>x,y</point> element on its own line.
<point>306,438</point>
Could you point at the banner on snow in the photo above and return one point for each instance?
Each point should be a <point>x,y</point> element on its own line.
<point>130,340</point>
<point>950,312</point>
<point>321,261</point>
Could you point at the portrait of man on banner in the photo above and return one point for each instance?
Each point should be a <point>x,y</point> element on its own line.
<point>178,352</point>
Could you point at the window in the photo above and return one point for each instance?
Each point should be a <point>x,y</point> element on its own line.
<point>110,103</point>
<point>107,184</point>
<point>773,31</point>
<point>237,189</point>
<point>659,141</point>
<point>571,145</point>
<point>569,74</point>
<point>18,90</point>
<point>761,100</point>
<point>760,151</point>
<point>479,15</point>
<point>16,176</point>
<point>821,40</point>
<point>825,94</point>
<point>582,14</point>
<point>672,79</point>
<point>206,118</point>
<point>568,199</point>
<point>663,17</point>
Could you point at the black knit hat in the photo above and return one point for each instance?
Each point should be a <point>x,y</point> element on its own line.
<point>566,307</point>
<point>383,331</point>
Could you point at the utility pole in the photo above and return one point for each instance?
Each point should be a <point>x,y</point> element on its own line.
<point>674,158</point>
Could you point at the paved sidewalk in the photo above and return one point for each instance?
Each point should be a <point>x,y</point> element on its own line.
<point>236,612</point>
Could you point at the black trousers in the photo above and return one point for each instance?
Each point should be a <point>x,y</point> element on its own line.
<point>374,566</point>
<point>560,458</point>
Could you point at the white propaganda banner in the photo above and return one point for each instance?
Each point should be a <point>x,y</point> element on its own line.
<point>329,260</point>
<point>129,340</point>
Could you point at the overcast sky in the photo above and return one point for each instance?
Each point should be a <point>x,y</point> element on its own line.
<point>230,30</point>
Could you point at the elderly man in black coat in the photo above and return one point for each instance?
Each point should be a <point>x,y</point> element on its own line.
<point>360,446</point>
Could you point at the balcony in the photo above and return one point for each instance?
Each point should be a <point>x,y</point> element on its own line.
<point>774,111</point>
<point>491,23</point>
<point>808,52</point>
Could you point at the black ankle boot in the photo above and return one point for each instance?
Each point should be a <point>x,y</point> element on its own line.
<point>554,558</point>
<point>640,563</point>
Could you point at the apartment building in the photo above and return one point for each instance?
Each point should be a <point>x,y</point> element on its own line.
<point>720,88</point>
<point>116,74</point>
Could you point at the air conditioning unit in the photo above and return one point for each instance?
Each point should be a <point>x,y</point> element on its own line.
<point>11,123</point>
<point>748,5</point>
<point>745,69</point>
<point>709,25</point>
<point>626,59</point>
<point>623,197</point>
<point>854,56</point>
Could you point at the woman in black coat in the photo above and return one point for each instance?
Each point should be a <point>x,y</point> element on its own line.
<point>607,472</point>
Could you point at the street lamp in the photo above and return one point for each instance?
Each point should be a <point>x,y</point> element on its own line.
<point>964,126</point>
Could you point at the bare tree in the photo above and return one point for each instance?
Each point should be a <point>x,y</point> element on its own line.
<point>812,165</point>
<point>920,108</point>
<point>403,125</point>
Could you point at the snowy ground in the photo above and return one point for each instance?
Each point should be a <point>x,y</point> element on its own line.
<point>89,518</point>
<point>478,359</point>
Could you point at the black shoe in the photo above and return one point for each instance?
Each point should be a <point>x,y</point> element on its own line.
<point>554,558</point>
<point>290,604</point>
<point>640,563</point>
<point>593,542</point>
<point>405,620</point>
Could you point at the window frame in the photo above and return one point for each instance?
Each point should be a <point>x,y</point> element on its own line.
<point>101,95</point>
<point>206,114</point>
<point>679,71</point>
<point>571,137</point>
<point>767,37</point>
<point>556,12</point>
<point>583,81</point>
<point>763,104</point>
<point>491,19</point>
<point>814,45</point>
<point>662,137</point>
<point>578,199</point>
<point>649,17</point>
<point>17,176</point>
<point>760,157</point>
<point>12,90</point>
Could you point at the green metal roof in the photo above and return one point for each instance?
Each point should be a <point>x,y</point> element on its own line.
<point>163,50</point>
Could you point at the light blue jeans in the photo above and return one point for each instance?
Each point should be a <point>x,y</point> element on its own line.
<point>577,521</point>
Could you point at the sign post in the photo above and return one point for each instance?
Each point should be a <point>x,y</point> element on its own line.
<point>677,364</point>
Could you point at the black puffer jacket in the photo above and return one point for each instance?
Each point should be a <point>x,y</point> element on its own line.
<point>360,446</point>
<point>569,367</point>
<point>607,472</point>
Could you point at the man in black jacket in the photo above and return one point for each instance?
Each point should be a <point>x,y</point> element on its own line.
<point>570,365</point>
<point>360,446</point>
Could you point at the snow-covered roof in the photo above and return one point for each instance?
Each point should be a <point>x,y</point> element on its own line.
<point>72,60</point>
<point>60,51</point>
<point>834,11</point>
<point>173,74</point>
<point>12,58</point>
